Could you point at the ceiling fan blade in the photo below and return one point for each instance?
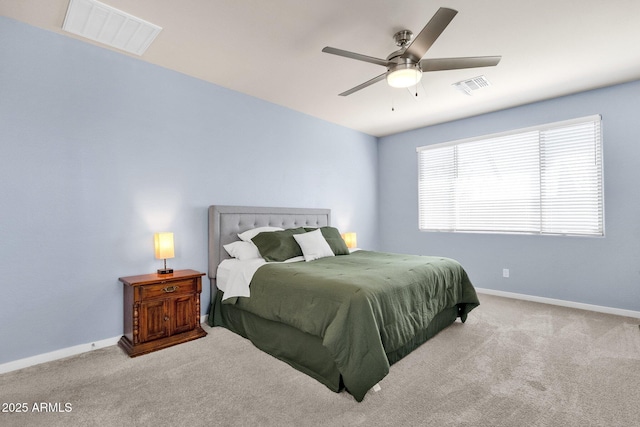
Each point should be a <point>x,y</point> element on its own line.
<point>365,84</point>
<point>421,44</point>
<point>439,64</point>
<point>357,56</point>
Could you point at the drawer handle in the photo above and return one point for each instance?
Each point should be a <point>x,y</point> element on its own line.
<point>171,288</point>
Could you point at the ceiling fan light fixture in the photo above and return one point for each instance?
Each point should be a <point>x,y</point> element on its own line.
<point>404,77</point>
<point>405,66</point>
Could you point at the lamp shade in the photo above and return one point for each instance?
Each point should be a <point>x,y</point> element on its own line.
<point>163,245</point>
<point>350,239</point>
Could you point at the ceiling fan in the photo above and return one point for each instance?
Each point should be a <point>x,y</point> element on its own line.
<point>405,66</point>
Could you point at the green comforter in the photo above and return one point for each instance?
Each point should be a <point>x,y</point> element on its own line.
<point>363,306</point>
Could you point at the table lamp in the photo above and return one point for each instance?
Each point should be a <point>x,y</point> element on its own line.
<point>164,249</point>
<point>350,239</point>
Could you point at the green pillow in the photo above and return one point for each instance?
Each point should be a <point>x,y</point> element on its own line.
<point>334,239</point>
<point>278,245</point>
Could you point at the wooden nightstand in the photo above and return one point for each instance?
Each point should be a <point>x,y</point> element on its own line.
<point>161,310</point>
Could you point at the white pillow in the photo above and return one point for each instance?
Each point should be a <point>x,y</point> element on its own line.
<point>313,245</point>
<point>246,236</point>
<point>242,250</point>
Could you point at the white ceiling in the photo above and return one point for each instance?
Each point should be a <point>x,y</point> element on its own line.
<point>272,50</point>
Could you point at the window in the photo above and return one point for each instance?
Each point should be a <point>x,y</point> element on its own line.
<point>542,180</point>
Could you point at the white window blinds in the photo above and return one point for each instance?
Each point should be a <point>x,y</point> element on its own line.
<point>543,180</point>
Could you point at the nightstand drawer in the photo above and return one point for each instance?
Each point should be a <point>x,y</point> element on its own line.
<point>174,287</point>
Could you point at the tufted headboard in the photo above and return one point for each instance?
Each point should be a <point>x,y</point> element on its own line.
<point>225,222</point>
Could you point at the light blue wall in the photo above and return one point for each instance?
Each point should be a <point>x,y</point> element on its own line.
<point>101,150</point>
<point>599,271</point>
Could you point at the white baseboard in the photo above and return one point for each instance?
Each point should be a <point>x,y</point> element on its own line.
<point>57,354</point>
<point>563,303</point>
<point>63,352</point>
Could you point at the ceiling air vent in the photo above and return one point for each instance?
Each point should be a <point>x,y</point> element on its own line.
<point>104,24</point>
<point>471,85</point>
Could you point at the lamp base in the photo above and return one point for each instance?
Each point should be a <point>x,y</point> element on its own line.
<point>165,270</point>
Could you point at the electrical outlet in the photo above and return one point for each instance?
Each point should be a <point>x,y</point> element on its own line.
<point>505,272</point>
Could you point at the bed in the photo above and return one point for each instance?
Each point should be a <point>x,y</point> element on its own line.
<point>342,320</point>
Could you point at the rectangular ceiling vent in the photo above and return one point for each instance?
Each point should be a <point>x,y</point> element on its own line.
<point>104,24</point>
<point>471,85</point>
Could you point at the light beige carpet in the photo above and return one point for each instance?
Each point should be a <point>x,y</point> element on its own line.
<point>514,363</point>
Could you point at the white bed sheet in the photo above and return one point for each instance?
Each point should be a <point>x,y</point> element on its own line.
<point>234,276</point>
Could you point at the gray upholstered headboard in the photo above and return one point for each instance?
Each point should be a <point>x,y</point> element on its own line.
<point>225,222</point>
